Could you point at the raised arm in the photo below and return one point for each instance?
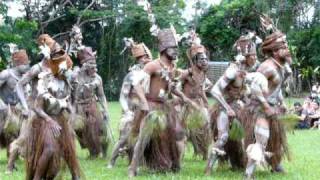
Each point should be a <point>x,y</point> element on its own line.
<point>26,78</point>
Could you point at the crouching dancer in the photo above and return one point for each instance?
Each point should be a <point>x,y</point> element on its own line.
<point>229,91</point>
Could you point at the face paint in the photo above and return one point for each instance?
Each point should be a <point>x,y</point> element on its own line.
<point>23,68</point>
<point>90,68</point>
<point>144,59</point>
<point>172,53</point>
<point>202,61</point>
<point>251,60</point>
<point>45,51</point>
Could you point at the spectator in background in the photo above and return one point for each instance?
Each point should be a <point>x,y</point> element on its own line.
<point>315,93</point>
<point>309,109</point>
<point>297,108</point>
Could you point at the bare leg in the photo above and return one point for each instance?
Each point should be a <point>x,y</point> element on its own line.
<point>104,148</point>
<point>256,152</point>
<point>43,163</point>
<point>217,149</point>
<point>120,144</point>
<point>13,156</point>
<point>139,148</point>
<point>182,146</point>
<point>17,145</point>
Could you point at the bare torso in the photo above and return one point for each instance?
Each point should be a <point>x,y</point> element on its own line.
<point>8,81</point>
<point>193,84</point>
<point>158,81</point>
<point>274,74</point>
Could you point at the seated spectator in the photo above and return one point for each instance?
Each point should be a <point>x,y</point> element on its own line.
<point>314,119</point>
<point>297,108</point>
<point>309,109</point>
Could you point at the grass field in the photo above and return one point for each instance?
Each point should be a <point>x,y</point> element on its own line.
<point>305,163</point>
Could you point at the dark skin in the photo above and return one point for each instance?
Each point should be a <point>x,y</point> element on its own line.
<point>49,150</point>
<point>157,83</point>
<point>153,68</point>
<point>270,70</point>
<point>39,106</point>
<point>194,83</point>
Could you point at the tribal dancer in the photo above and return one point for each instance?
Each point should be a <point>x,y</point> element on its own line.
<point>132,95</point>
<point>88,89</point>
<point>51,137</point>
<point>156,127</point>
<point>10,113</point>
<point>270,143</point>
<point>193,86</point>
<point>229,91</point>
<point>46,45</point>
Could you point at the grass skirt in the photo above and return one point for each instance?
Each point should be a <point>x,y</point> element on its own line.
<point>41,139</point>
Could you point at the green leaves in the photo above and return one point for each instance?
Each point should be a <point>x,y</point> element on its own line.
<point>237,131</point>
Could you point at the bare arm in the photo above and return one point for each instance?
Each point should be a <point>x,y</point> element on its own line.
<point>38,109</point>
<point>269,74</point>
<point>101,96</point>
<point>26,78</point>
<point>208,85</point>
<point>3,77</point>
<point>204,98</point>
<point>140,79</point>
<point>259,87</point>
<point>221,85</point>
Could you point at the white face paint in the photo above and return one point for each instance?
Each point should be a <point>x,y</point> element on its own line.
<point>63,67</point>
<point>45,50</point>
<point>239,58</point>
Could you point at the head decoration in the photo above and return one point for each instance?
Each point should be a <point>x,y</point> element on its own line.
<point>245,46</point>
<point>194,43</point>
<point>60,61</point>
<point>275,40</point>
<point>167,38</point>
<point>85,55</point>
<point>47,40</point>
<point>137,50</point>
<point>20,57</point>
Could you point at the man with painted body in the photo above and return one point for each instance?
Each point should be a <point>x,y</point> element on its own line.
<point>161,151</point>
<point>270,138</point>
<point>9,99</point>
<point>47,45</point>
<point>229,91</point>
<point>193,82</point>
<point>132,97</point>
<point>51,137</point>
<point>87,92</point>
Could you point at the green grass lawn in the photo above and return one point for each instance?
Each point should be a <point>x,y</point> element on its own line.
<point>305,163</point>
